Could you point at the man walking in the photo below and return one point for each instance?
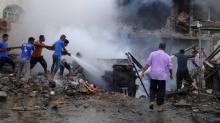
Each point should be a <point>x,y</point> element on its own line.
<point>160,63</point>
<point>37,54</point>
<point>182,69</point>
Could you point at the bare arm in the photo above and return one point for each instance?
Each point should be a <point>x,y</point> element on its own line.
<point>13,48</point>
<point>44,46</point>
<point>65,51</point>
<point>171,73</point>
<point>170,66</point>
<point>3,49</point>
<point>50,47</point>
<point>143,70</point>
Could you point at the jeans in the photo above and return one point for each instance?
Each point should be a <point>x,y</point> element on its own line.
<point>56,64</point>
<point>4,60</point>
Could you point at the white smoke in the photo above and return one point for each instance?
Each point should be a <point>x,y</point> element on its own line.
<point>91,27</point>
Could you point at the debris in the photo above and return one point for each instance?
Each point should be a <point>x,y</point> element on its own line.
<point>175,93</point>
<point>26,108</point>
<point>3,96</point>
<point>58,102</point>
<point>209,91</point>
<point>182,103</point>
<point>214,120</point>
<point>54,107</point>
<point>195,92</point>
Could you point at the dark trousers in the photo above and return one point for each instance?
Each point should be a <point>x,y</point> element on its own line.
<point>63,66</point>
<point>7,60</point>
<point>56,64</point>
<point>183,75</point>
<point>41,60</point>
<point>157,89</point>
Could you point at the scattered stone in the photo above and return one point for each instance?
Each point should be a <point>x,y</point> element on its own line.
<point>26,108</point>
<point>214,120</point>
<point>209,91</point>
<point>182,103</point>
<point>3,96</point>
<point>195,110</point>
<point>198,119</point>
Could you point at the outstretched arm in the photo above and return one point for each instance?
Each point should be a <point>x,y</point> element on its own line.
<point>65,51</point>
<point>13,48</point>
<point>50,47</point>
<point>3,49</point>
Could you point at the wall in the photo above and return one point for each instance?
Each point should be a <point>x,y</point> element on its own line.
<point>5,3</point>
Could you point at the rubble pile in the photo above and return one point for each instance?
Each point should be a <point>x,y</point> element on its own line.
<point>8,84</point>
<point>202,105</point>
<point>71,84</point>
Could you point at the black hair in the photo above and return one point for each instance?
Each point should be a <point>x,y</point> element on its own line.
<point>78,54</point>
<point>162,46</point>
<point>195,51</point>
<point>63,36</point>
<point>5,36</point>
<point>66,41</point>
<point>41,36</point>
<point>182,51</point>
<point>31,39</point>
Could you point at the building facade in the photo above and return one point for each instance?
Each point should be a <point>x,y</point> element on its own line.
<point>10,11</point>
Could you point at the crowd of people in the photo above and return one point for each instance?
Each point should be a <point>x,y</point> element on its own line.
<point>159,61</point>
<point>31,54</point>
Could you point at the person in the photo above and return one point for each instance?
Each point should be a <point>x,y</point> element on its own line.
<point>58,47</point>
<point>160,63</point>
<point>4,52</point>
<point>182,69</point>
<point>64,64</point>
<point>197,72</point>
<point>37,54</point>
<point>26,51</point>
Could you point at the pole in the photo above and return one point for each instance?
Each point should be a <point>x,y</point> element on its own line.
<point>128,54</point>
<point>200,63</point>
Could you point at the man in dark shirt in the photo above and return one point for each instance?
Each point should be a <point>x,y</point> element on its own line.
<point>182,69</point>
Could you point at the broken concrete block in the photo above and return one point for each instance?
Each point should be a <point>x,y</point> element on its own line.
<point>209,91</point>
<point>3,96</point>
<point>214,120</point>
<point>198,119</point>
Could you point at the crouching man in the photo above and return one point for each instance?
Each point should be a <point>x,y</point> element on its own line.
<point>64,64</point>
<point>160,63</point>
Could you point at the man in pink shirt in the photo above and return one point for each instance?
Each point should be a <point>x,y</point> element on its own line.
<point>160,63</point>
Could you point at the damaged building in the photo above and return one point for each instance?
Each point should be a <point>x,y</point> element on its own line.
<point>181,23</point>
<point>192,25</point>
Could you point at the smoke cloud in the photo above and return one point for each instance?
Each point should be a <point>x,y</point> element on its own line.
<point>98,29</point>
<point>92,27</point>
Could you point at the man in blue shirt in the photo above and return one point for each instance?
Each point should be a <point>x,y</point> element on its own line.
<point>26,51</point>
<point>182,69</point>
<point>59,47</point>
<point>4,52</point>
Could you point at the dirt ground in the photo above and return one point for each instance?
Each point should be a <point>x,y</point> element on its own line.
<point>102,108</point>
